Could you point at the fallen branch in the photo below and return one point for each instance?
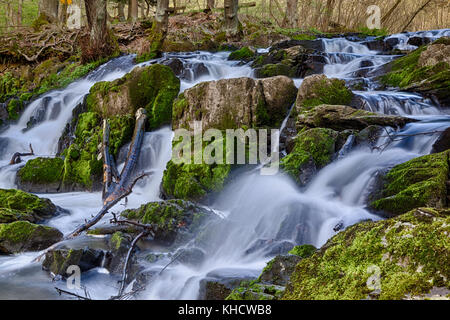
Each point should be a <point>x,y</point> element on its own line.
<point>61,291</point>
<point>127,261</point>
<point>402,137</point>
<point>16,156</point>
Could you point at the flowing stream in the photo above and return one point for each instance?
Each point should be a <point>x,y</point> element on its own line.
<point>260,216</point>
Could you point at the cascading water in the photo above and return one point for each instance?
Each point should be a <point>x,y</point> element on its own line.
<point>258,216</point>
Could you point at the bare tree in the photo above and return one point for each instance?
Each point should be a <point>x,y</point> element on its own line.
<point>121,11</point>
<point>210,4</point>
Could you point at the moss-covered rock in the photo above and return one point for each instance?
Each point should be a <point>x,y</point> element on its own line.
<point>235,103</point>
<point>338,117</point>
<point>57,261</point>
<point>21,236</point>
<point>303,251</point>
<point>425,70</point>
<point>41,175</point>
<point>174,220</point>
<point>411,253</point>
<point>313,149</point>
<point>272,70</point>
<point>318,89</point>
<point>153,88</point>
<point>256,291</point>
<point>244,54</point>
<point>416,183</point>
<point>18,205</point>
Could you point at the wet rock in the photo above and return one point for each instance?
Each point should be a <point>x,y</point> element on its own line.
<point>115,257</point>
<point>199,70</point>
<point>279,270</point>
<point>344,117</point>
<point>17,205</point>
<point>419,41</point>
<point>22,236</point>
<point>176,65</point>
<point>313,149</point>
<point>42,175</point>
<point>318,89</point>
<point>190,256</point>
<point>39,114</point>
<point>58,260</point>
<point>391,43</point>
<point>215,291</point>
<point>369,136</point>
<point>442,143</point>
<point>234,103</point>
<point>153,88</point>
<point>270,247</point>
<point>68,134</point>
<point>417,183</point>
<point>176,221</point>
<point>245,54</point>
<point>408,244</point>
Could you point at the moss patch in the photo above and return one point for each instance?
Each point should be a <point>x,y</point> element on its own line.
<point>411,251</point>
<point>317,144</point>
<point>244,54</point>
<point>418,182</point>
<point>42,170</point>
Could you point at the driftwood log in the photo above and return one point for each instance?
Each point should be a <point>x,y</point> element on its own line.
<point>16,156</point>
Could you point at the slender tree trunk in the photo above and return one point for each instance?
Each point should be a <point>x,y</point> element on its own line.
<point>328,14</point>
<point>19,13</point>
<point>121,11</point>
<point>49,9</point>
<point>389,13</point>
<point>231,8</point>
<point>99,44</point>
<point>211,4</point>
<point>415,14</point>
<point>291,18</point>
<point>159,28</point>
<point>62,14</point>
<point>132,10</point>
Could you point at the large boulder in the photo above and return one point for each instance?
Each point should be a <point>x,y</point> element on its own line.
<point>17,205</point>
<point>235,103</point>
<point>340,117</point>
<point>416,183</point>
<point>400,258</point>
<point>289,58</point>
<point>425,70</point>
<point>21,236</point>
<point>153,88</point>
<point>319,89</point>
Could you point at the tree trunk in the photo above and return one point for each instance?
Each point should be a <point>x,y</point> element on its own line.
<point>328,14</point>
<point>19,13</point>
<point>231,25</point>
<point>62,14</point>
<point>415,14</point>
<point>211,4</point>
<point>132,10</point>
<point>291,18</point>
<point>389,13</point>
<point>159,28</point>
<point>49,9</point>
<point>99,44</point>
<point>121,11</point>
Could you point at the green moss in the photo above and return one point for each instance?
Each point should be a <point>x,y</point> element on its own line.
<point>252,290</point>
<point>42,170</point>
<point>245,54</point>
<point>373,32</point>
<point>14,108</point>
<point>116,240</point>
<point>17,232</point>
<point>411,251</point>
<point>167,215</point>
<point>19,205</point>
<point>193,181</point>
<point>418,182</point>
<point>303,251</point>
<point>317,144</point>
<point>323,92</point>
<point>279,69</point>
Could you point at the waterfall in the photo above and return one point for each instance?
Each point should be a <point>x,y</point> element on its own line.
<point>260,216</point>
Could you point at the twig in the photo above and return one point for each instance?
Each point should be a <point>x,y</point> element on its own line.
<point>61,291</point>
